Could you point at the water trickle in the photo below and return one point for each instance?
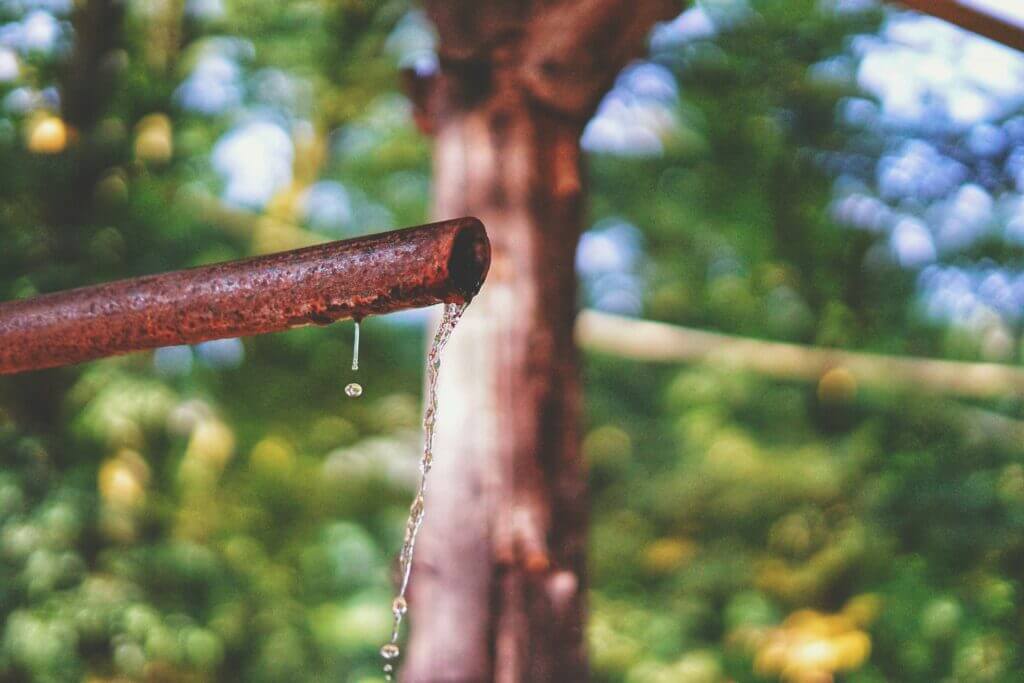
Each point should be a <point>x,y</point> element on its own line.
<point>452,313</point>
<point>354,389</point>
<point>355,348</point>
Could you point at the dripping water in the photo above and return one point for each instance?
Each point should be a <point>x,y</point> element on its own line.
<point>355,348</point>
<point>354,389</point>
<point>452,313</point>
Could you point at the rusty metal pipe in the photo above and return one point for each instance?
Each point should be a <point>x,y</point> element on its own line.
<point>420,266</point>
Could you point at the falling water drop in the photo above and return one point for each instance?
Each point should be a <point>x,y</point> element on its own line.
<point>355,348</point>
<point>354,389</point>
<point>452,313</point>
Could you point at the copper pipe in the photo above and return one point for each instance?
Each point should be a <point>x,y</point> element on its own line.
<point>973,19</point>
<point>420,266</point>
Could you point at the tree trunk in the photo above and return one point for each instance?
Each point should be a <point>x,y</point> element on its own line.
<point>86,89</point>
<point>506,485</point>
<point>498,583</point>
<point>90,77</point>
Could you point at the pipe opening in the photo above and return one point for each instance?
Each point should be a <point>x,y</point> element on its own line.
<point>470,258</point>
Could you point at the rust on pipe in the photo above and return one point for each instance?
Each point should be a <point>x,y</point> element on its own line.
<point>392,271</point>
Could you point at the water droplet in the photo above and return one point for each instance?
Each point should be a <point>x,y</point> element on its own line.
<point>355,349</point>
<point>354,390</point>
<point>399,606</point>
<point>416,511</point>
<point>389,651</point>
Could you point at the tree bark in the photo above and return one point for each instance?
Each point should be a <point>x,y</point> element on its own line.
<point>498,584</point>
<point>91,72</point>
<point>86,88</point>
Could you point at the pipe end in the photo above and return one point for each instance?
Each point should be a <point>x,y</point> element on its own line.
<point>470,257</point>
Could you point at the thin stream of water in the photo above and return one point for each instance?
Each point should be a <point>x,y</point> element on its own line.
<point>354,389</point>
<point>452,312</point>
<point>355,348</point>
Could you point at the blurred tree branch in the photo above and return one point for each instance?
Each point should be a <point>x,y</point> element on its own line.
<point>976,19</point>
<point>644,340</point>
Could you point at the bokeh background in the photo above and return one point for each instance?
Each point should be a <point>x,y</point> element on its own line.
<point>834,173</point>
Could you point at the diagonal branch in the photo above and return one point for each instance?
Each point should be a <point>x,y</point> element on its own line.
<point>974,19</point>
